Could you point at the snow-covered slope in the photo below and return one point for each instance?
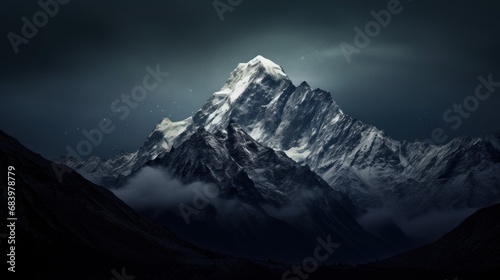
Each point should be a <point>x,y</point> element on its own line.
<point>111,172</point>
<point>358,159</point>
<point>284,203</point>
<point>354,158</point>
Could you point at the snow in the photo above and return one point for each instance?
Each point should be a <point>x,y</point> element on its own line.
<point>221,94</point>
<point>270,66</point>
<point>356,158</point>
<point>298,154</point>
<point>257,132</point>
<point>238,89</point>
<point>216,116</point>
<point>248,72</point>
<point>336,118</point>
<point>238,82</point>
<point>172,130</point>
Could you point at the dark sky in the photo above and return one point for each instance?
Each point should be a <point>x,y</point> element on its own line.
<point>64,79</point>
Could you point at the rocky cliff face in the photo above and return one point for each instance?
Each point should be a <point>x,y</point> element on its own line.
<point>245,135</point>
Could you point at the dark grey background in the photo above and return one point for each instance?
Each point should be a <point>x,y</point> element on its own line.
<point>65,78</point>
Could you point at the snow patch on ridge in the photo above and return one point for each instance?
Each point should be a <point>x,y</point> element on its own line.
<point>172,130</point>
<point>270,66</point>
<point>298,154</point>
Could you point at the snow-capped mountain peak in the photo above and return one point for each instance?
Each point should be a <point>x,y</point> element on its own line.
<point>270,66</point>
<point>249,87</point>
<point>355,158</point>
<point>252,71</point>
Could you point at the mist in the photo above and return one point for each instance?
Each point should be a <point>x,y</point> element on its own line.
<point>155,188</point>
<point>423,229</point>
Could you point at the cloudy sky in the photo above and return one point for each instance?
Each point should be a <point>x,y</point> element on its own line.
<point>66,76</point>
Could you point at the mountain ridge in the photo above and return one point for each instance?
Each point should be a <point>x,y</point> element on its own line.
<point>285,201</point>
<point>370,168</point>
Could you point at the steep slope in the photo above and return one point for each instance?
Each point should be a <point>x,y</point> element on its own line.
<point>359,160</point>
<point>264,198</point>
<point>75,229</point>
<point>163,138</point>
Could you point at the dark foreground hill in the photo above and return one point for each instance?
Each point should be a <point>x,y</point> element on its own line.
<point>473,246</point>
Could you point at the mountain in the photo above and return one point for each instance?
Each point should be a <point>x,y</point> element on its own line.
<point>166,135</point>
<point>73,229</point>
<point>374,171</point>
<point>358,159</point>
<point>264,198</point>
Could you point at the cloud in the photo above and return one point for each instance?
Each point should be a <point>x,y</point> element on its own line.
<point>425,228</point>
<point>435,224</point>
<point>297,208</point>
<point>154,188</point>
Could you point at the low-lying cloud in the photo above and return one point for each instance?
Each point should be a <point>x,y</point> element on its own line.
<point>435,224</point>
<point>154,188</point>
<point>425,228</point>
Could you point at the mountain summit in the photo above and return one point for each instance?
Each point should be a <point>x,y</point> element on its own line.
<point>369,169</point>
<point>255,67</point>
<point>245,74</point>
